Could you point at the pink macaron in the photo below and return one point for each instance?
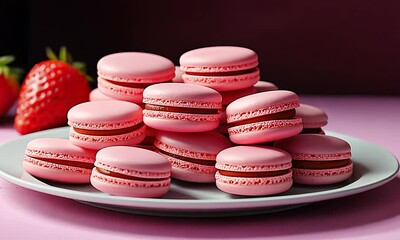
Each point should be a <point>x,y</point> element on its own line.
<point>131,171</point>
<point>178,75</point>
<point>179,107</point>
<point>223,68</point>
<point>227,98</point>
<point>253,170</point>
<point>97,95</point>
<point>318,159</point>
<point>263,86</point>
<point>192,155</point>
<point>148,141</point>
<point>58,160</point>
<point>263,117</point>
<point>124,76</point>
<point>313,118</point>
<point>100,124</point>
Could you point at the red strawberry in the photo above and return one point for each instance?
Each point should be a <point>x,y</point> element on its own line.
<point>50,89</point>
<point>9,86</point>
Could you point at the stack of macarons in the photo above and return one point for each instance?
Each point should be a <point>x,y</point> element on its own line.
<point>208,121</point>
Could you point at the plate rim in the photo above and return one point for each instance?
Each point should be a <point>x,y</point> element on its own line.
<point>200,204</point>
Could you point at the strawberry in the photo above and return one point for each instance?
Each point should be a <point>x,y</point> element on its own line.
<point>9,86</point>
<point>50,89</point>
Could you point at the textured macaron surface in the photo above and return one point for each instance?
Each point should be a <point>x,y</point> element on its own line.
<point>58,149</point>
<point>104,115</point>
<point>182,95</point>
<point>135,67</point>
<point>315,147</point>
<point>260,104</point>
<point>204,145</point>
<point>218,59</point>
<point>312,117</point>
<point>133,161</point>
<point>253,159</point>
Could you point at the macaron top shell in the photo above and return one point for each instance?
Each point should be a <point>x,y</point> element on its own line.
<point>253,159</point>
<point>132,161</point>
<point>57,148</point>
<point>262,86</point>
<point>218,59</point>
<point>260,104</point>
<point>96,95</point>
<point>203,145</point>
<point>315,147</point>
<point>136,67</point>
<point>312,117</point>
<point>104,115</point>
<point>182,95</point>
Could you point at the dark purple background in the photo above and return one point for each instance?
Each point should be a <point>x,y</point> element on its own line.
<point>312,46</point>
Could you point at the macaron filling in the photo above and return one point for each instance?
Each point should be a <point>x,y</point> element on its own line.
<point>217,74</point>
<point>303,164</point>
<point>153,107</point>
<point>187,159</point>
<point>112,132</point>
<point>128,177</point>
<point>253,174</point>
<point>288,114</point>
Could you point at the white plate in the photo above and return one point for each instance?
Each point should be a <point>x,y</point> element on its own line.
<point>373,166</point>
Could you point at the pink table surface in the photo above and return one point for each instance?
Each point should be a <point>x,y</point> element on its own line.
<point>371,215</point>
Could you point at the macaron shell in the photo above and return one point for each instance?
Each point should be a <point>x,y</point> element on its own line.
<point>132,161</point>
<point>254,186</point>
<point>105,115</point>
<point>56,172</point>
<point>99,142</point>
<point>315,147</point>
<point>224,83</point>
<point>58,149</point>
<point>322,176</point>
<point>114,91</point>
<point>180,122</point>
<point>260,104</point>
<point>138,67</point>
<point>182,95</point>
<point>129,188</point>
<point>218,59</point>
<point>265,131</point>
<point>312,117</point>
<point>253,159</point>
<point>263,86</point>
<point>97,95</point>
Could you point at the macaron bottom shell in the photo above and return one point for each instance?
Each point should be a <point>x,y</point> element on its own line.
<point>99,142</point>
<point>261,186</point>
<point>176,125</point>
<point>56,172</point>
<point>266,131</point>
<point>322,176</point>
<point>129,188</point>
